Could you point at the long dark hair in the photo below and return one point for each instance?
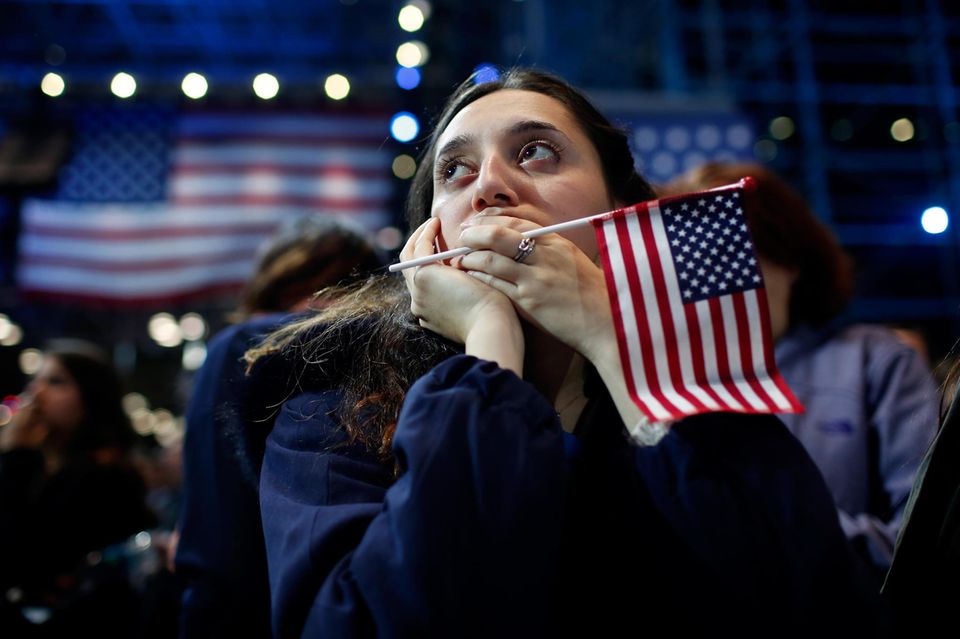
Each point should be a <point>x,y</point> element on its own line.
<point>364,337</point>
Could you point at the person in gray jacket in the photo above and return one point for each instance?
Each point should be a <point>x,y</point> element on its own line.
<point>870,399</point>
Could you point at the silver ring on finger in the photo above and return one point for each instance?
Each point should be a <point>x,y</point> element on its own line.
<point>524,249</point>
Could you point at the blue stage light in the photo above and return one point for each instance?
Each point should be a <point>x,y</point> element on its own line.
<point>408,77</point>
<point>935,220</point>
<point>404,126</point>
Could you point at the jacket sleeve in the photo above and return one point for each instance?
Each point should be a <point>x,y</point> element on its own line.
<point>902,411</point>
<point>481,490</point>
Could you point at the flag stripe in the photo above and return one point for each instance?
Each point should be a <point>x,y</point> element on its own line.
<point>634,281</point>
<point>788,401</point>
<point>712,362</point>
<point>627,326</point>
<point>660,319</point>
<point>675,325</point>
<point>732,334</point>
<point>698,354</point>
<point>725,369</point>
<point>744,326</point>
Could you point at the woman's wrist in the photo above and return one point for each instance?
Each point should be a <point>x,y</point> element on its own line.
<point>497,338</point>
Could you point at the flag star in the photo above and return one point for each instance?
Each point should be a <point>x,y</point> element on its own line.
<point>734,264</point>
<point>682,233</point>
<point>701,202</point>
<point>680,258</point>
<point>747,244</point>
<point>743,227</point>
<point>741,255</point>
<point>700,229</point>
<point>721,241</point>
<point>740,281</point>
<point>688,223</point>
<point>752,261</point>
<point>704,289</point>
<point>726,231</point>
<point>668,211</point>
<point>728,275</point>
<point>712,279</point>
<point>745,270</point>
<point>672,228</point>
<point>701,271</point>
<point>697,254</point>
<point>686,248</point>
<point>716,225</point>
<point>714,250</point>
<point>756,278</point>
<point>711,208</point>
<point>687,294</point>
<point>683,275</point>
<point>729,204</point>
<point>684,206</point>
<point>694,282</point>
<point>722,286</point>
<point>704,244</point>
<point>710,235</point>
<point>739,211</point>
<point>723,215</point>
<point>708,262</point>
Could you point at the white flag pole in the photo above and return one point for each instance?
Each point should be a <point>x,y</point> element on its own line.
<point>463,250</point>
<point>554,228</point>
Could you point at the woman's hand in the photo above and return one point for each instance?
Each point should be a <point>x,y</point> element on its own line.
<point>557,288</point>
<point>447,301</point>
<point>25,430</point>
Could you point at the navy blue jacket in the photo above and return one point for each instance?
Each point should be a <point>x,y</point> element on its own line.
<point>221,554</point>
<point>501,525</point>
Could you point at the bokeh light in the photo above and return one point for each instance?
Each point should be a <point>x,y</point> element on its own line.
<point>266,86</point>
<point>123,85</point>
<point>52,84</point>
<point>336,86</point>
<point>194,86</point>
<point>404,126</point>
<point>935,220</point>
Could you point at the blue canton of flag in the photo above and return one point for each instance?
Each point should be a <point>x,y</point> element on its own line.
<point>711,247</point>
<point>118,156</point>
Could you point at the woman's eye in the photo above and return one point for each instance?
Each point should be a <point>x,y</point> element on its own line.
<point>453,171</point>
<point>537,151</point>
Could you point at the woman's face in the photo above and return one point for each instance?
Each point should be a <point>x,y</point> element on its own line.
<point>521,154</point>
<point>56,397</point>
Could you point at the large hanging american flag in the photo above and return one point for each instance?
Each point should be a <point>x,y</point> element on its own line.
<point>154,208</point>
<point>689,307</point>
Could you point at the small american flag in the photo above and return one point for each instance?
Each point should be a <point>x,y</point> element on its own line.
<point>689,307</point>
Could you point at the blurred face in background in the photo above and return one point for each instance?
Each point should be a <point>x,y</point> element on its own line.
<point>57,402</point>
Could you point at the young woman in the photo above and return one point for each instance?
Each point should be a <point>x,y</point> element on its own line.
<point>457,454</point>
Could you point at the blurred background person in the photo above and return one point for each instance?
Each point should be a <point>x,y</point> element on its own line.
<point>220,553</point>
<point>68,491</point>
<point>870,398</point>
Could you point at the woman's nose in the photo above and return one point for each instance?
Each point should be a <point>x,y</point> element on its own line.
<point>495,185</point>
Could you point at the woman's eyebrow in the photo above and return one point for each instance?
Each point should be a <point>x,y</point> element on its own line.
<point>455,144</point>
<point>526,126</point>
